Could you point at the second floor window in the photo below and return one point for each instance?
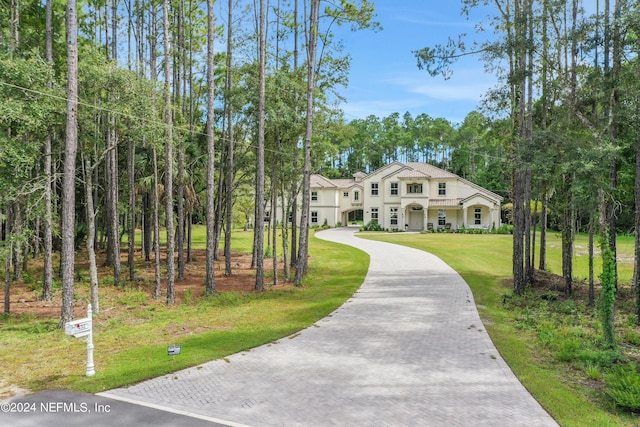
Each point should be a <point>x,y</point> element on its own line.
<point>394,188</point>
<point>314,196</point>
<point>345,194</point>
<point>356,196</point>
<point>374,188</point>
<point>414,188</point>
<point>442,189</point>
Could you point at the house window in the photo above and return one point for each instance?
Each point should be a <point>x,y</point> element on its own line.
<point>442,189</point>
<point>345,194</point>
<point>442,217</point>
<point>394,217</point>
<point>477,216</point>
<point>314,217</point>
<point>267,216</point>
<point>394,188</point>
<point>314,196</point>
<point>374,188</point>
<point>374,214</point>
<point>414,188</point>
<point>356,196</point>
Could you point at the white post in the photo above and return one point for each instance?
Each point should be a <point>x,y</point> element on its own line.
<point>90,368</point>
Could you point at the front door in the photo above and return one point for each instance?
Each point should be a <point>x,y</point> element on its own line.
<point>416,220</point>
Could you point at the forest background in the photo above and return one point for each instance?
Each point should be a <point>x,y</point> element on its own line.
<point>163,129</point>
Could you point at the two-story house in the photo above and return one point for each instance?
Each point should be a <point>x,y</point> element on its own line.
<point>410,196</point>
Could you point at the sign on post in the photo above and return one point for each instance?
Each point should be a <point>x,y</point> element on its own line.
<point>80,328</point>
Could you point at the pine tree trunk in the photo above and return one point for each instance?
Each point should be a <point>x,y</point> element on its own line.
<point>302,261</point>
<point>168,175</point>
<point>210,281</point>
<point>294,184</point>
<point>91,228</point>
<point>154,158</point>
<point>114,216</point>
<point>636,265</point>
<point>47,280</point>
<point>274,207</point>
<point>146,225</point>
<point>17,246</point>
<point>543,233</point>
<point>70,149</point>
<point>156,224</point>
<point>636,270</point>
<point>260,174</point>
<point>230,143</point>
<point>7,260</point>
<point>131,150</point>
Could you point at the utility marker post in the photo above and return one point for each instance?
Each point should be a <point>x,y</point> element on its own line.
<point>81,328</point>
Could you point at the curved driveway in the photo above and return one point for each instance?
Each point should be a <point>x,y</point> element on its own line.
<point>407,349</point>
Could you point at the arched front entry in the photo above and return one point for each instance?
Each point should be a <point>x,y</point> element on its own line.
<point>352,216</point>
<point>415,217</point>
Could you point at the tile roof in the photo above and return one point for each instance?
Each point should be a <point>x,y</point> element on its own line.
<point>444,202</point>
<point>412,173</point>
<point>345,183</point>
<point>430,170</point>
<point>319,181</point>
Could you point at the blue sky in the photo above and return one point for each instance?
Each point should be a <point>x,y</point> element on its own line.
<point>384,76</point>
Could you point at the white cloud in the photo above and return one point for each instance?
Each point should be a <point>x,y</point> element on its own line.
<point>464,85</point>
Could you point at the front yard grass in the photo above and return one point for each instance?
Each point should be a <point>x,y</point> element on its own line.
<point>532,332</point>
<point>132,331</point>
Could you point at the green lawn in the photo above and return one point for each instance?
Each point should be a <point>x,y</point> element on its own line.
<point>485,263</point>
<point>132,331</point>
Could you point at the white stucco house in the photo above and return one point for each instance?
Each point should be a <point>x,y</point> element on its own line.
<point>405,196</point>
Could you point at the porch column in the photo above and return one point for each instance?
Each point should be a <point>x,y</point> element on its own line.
<point>464,217</point>
<point>425,217</point>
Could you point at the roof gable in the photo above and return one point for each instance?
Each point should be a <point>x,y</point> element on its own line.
<point>319,181</point>
<point>384,168</point>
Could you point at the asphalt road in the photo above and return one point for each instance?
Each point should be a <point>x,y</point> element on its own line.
<point>62,408</point>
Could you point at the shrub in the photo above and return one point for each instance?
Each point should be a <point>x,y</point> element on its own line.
<point>624,387</point>
<point>568,349</point>
<point>593,370</point>
<point>631,336</point>
<point>372,226</point>
<point>505,229</point>
<point>602,358</point>
<point>547,334</point>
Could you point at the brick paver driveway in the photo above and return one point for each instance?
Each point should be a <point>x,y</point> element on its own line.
<point>408,349</point>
